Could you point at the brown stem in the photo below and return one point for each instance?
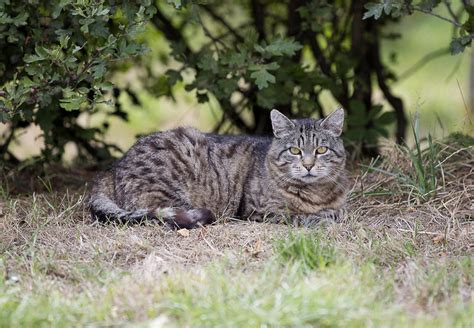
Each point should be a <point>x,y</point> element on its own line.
<point>393,100</point>
<point>4,146</point>
<point>258,14</point>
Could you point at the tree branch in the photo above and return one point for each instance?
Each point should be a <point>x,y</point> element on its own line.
<point>318,54</point>
<point>416,8</point>
<point>258,14</point>
<point>294,19</point>
<point>221,20</point>
<point>171,33</point>
<point>233,116</point>
<point>4,146</point>
<point>208,33</point>
<point>394,101</point>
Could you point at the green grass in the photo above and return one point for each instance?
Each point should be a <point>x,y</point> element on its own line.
<point>308,251</point>
<point>292,289</point>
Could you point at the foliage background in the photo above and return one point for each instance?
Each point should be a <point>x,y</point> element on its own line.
<point>435,90</point>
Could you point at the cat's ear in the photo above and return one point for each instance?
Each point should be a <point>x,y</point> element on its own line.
<point>280,123</point>
<point>334,122</point>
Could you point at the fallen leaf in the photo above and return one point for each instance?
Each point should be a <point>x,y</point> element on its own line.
<point>438,239</point>
<point>183,232</point>
<point>255,249</point>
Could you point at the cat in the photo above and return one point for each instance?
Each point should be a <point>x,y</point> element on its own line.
<point>186,178</point>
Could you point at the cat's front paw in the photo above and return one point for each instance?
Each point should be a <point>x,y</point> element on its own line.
<point>335,215</point>
<point>321,217</point>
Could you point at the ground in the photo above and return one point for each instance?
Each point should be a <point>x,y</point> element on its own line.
<point>401,257</point>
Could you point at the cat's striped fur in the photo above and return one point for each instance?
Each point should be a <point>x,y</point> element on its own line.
<point>187,178</point>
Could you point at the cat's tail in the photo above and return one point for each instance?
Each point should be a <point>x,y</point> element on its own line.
<point>104,209</point>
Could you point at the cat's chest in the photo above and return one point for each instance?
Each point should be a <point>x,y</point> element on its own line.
<point>304,201</point>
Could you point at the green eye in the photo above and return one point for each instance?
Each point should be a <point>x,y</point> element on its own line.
<point>321,150</point>
<point>295,151</point>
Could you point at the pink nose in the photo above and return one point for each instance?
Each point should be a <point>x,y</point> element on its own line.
<point>308,166</point>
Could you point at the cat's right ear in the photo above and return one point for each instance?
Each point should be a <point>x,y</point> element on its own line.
<point>281,124</point>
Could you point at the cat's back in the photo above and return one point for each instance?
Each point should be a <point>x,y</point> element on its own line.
<point>190,142</point>
<point>197,166</point>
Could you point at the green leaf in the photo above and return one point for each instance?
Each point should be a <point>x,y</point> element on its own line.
<point>429,5</point>
<point>227,86</point>
<point>4,116</point>
<point>268,67</point>
<point>373,10</point>
<point>459,44</point>
<point>98,71</point>
<point>176,3</point>
<point>45,118</point>
<point>358,117</point>
<point>267,98</point>
<point>386,118</point>
<point>389,7</point>
<point>234,59</point>
<point>173,77</point>
<point>262,78</point>
<point>280,47</point>
<point>71,104</point>
<point>374,111</point>
<point>207,62</point>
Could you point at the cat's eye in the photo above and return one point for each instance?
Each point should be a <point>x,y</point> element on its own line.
<point>321,150</point>
<point>295,151</point>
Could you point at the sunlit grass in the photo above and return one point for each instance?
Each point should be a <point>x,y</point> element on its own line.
<point>278,293</point>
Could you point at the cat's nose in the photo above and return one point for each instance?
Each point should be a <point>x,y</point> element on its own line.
<point>308,166</point>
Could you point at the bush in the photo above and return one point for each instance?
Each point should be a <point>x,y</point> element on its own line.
<point>54,63</point>
<point>56,56</point>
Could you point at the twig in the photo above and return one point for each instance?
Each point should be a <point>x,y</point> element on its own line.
<point>458,25</point>
<point>208,33</point>
<point>223,22</point>
<point>462,95</point>
<point>225,34</point>
<point>450,10</point>
<point>419,232</point>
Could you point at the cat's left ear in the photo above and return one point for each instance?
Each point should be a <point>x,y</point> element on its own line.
<point>281,124</point>
<point>334,122</point>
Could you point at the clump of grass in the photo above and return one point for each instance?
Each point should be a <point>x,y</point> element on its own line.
<point>421,178</point>
<point>425,163</point>
<point>309,250</point>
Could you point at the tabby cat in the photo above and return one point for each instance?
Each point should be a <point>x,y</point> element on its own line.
<point>187,178</point>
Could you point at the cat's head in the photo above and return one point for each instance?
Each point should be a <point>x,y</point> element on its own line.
<point>307,150</point>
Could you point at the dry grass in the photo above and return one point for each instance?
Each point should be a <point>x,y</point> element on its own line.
<point>413,258</point>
